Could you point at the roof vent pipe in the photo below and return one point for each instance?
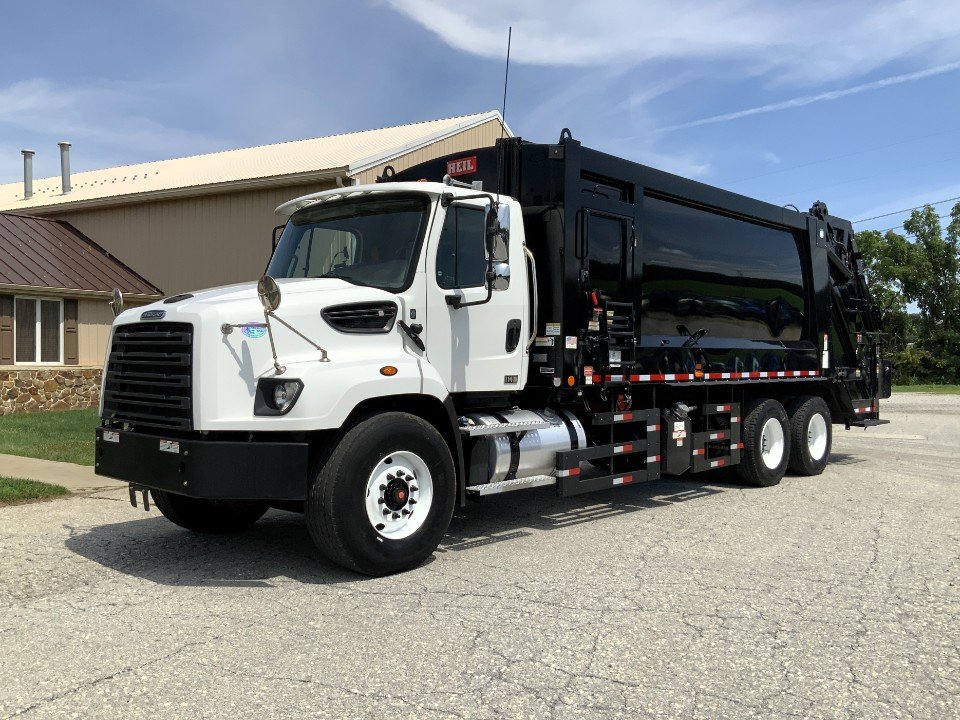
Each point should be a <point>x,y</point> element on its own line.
<point>27,173</point>
<point>65,166</point>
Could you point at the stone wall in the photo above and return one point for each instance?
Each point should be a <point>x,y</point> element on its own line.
<point>57,388</point>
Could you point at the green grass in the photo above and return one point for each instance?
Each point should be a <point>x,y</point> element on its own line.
<point>938,389</point>
<point>15,490</point>
<point>67,436</point>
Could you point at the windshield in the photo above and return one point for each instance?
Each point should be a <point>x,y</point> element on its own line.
<point>366,241</point>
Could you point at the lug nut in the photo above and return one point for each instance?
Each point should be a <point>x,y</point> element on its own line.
<point>405,511</point>
<point>412,502</point>
<point>386,512</point>
<point>396,516</point>
<point>381,501</point>
<point>414,488</point>
<point>382,488</point>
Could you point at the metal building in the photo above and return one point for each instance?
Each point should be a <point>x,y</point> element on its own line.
<point>207,220</point>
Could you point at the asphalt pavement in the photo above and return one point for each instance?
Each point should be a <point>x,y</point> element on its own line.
<point>829,597</point>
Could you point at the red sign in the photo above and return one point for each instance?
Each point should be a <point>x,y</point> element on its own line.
<point>462,166</point>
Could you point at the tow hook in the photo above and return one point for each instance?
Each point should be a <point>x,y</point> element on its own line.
<point>134,489</point>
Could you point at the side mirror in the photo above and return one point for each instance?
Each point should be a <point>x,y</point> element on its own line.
<point>116,302</point>
<point>498,232</point>
<point>269,293</point>
<point>501,275</point>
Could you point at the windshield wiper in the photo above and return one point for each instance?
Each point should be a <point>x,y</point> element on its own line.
<point>348,278</point>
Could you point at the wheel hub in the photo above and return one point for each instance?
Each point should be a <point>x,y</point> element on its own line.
<point>399,495</point>
<point>396,495</point>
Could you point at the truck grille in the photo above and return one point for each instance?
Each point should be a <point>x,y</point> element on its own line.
<point>368,317</point>
<point>149,376</point>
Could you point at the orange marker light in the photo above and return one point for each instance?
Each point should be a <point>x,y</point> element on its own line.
<point>571,380</point>
<point>388,370</point>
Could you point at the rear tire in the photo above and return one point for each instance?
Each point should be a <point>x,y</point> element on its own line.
<point>766,444</point>
<point>215,517</point>
<point>811,435</point>
<point>384,498</point>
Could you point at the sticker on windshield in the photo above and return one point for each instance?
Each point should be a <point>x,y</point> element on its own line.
<point>254,331</point>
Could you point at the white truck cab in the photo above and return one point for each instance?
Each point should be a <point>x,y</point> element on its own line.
<point>381,296</point>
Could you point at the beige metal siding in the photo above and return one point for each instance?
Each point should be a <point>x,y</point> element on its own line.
<point>480,136</point>
<point>194,243</point>
<point>94,318</point>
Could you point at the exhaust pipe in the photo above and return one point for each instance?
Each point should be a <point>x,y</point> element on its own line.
<point>27,173</point>
<point>65,166</point>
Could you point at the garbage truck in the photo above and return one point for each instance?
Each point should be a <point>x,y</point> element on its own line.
<point>511,317</point>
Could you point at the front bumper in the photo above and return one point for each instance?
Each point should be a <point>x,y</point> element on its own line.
<point>211,469</point>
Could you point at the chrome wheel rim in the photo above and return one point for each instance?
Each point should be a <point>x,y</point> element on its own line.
<point>817,436</point>
<point>399,495</point>
<point>772,443</point>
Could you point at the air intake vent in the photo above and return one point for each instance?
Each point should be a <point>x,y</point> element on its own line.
<point>149,376</point>
<point>372,317</point>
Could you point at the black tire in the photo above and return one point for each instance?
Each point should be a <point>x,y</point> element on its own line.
<point>806,435</point>
<point>214,517</point>
<point>336,507</point>
<point>753,469</point>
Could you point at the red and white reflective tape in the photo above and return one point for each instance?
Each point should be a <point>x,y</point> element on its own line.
<point>621,417</point>
<point>738,446</point>
<point>653,458</point>
<point>626,447</point>
<point>734,419</point>
<point>683,377</point>
<point>700,451</point>
<point>568,473</point>
<point>718,463</point>
<point>718,436</point>
<point>868,409</point>
<point>760,374</point>
<point>652,428</point>
<point>623,480</point>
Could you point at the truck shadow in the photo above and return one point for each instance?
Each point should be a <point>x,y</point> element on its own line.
<point>279,547</point>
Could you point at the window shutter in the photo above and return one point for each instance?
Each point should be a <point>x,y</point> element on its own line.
<point>6,330</point>
<point>71,344</point>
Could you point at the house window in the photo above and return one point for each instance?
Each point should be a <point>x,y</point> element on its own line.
<point>38,331</point>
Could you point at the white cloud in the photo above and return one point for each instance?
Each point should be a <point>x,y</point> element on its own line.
<point>772,158</point>
<point>803,42</point>
<point>819,97</point>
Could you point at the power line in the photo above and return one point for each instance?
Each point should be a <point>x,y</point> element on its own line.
<point>895,227</point>
<point>897,212</point>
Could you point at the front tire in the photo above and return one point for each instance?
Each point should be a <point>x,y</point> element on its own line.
<point>811,434</point>
<point>766,444</point>
<point>214,517</point>
<point>384,498</point>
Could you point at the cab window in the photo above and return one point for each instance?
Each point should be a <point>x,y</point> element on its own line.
<point>461,259</point>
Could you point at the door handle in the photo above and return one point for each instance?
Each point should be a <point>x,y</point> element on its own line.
<point>513,335</point>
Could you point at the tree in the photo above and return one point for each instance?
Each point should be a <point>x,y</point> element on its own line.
<point>924,272</point>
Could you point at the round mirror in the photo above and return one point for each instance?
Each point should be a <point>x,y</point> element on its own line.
<point>117,302</point>
<point>269,293</point>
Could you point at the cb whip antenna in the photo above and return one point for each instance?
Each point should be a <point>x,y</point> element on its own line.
<point>503,114</point>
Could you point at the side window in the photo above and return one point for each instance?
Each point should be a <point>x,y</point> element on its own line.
<point>461,259</point>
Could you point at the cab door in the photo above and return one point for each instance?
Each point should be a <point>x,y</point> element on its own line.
<point>477,348</point>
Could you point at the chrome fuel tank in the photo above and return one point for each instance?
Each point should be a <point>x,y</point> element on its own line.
<point>523,453</point>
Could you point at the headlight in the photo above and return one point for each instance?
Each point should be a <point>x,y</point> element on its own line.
<point>276,396</point>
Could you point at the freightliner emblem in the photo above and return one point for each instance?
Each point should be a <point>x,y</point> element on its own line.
<point>153,314</point>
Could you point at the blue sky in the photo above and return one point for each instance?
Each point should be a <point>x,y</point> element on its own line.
<point>853,103</point>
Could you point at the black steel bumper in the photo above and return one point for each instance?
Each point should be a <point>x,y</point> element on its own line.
<point>213,469</point>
